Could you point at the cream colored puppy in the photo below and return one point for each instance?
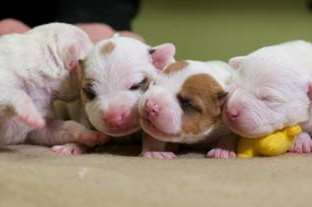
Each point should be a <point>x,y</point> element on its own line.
<point>271,92</point>
<point>35,68</point>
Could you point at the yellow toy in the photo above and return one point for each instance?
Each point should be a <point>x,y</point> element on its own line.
<point>271,145</point>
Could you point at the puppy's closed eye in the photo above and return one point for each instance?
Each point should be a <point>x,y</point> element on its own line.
<point>142,85</point>
<point>271,96</point>
<point>187,104</point>
<point>89,91</point>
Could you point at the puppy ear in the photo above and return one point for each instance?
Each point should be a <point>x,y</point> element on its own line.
<point>72,47</point>
<point>236,62</point>
<point>107,48</point>
<point>71,58</point>
<point>162,55</point>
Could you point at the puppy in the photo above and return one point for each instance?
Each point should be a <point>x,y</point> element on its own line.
<point>184,105</point>
<point>271,92</point>
<point>35,68</point>
<point>115,75</point>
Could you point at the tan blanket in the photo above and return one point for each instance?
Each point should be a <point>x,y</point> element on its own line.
<point>33,176</point>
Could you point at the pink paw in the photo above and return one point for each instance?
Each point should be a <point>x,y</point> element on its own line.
<point>302,144</point>
<point>221,153</point>
<point>69,149</point>
<point>160,155</point>
<point>33,122</point>
<point>93,138</point>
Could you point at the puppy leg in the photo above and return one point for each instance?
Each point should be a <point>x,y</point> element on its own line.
<point>16,102</point>
<point>302,144</point>
<point>153,148</point>
<point>60,133</point>
<point>224,149</point>
<point>70,149</point>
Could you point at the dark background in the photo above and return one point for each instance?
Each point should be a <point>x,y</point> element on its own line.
<point>117,13</point>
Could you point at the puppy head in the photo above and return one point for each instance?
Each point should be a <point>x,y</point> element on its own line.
<point>268,95</point>
<point>184,103</point>
<point>64,45</point>
<point>67,43</point>
<point>115,75</point>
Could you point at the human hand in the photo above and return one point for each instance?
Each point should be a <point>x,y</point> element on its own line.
<point>99,31</point>
<point>8,26</point>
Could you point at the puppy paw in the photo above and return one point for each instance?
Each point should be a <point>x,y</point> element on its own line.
<point>69,149</point>
<point>160,155</point>
<point>302,144</point>
<point>221,153</point>
<point>27,112</point>
<point>34,121</point>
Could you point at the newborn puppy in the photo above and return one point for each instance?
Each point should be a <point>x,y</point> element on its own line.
<point>271,92</point>
<point>37,67</point>
<point>115,75</point>
<point>184,105</point>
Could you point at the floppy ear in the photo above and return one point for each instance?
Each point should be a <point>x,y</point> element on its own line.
<point>162,55</point>
<point>71,60</point>
<point>107,48</point>
<point>72,48</point>
<point>236,62</point>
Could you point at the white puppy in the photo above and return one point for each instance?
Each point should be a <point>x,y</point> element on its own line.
<point>184,105</point>
<point>36,68</point>
<point>271,92</point>
<point>115,75</point>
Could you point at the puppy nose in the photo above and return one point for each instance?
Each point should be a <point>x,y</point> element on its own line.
<point>151,109</point>
<point>116,119</point>
<point>233,113</point>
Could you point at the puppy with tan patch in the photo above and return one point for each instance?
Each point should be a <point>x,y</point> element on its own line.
<point>36,68</point>
<point>115,75</point>
<point>184,105</point>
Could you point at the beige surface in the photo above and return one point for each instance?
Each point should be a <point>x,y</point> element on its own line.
<point>33,176</point>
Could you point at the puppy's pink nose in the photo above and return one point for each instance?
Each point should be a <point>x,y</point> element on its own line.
<point>116,119</point>
<point>233,113</point>
<point>152,109</point>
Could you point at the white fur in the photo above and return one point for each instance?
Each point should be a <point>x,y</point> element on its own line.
<point>271,90</point>
<point>113,74</point>
<point>33,70</point>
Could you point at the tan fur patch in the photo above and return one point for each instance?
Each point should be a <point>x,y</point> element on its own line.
<point>176,66</point>
<point>203,92</point>
<point>108,48</point>
<point>80,71</point>
<point>84,81</point>
<point>83,97</point>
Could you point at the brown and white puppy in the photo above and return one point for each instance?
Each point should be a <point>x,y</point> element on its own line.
<point>184,105</point>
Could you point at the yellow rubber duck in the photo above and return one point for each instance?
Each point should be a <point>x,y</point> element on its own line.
<point>271,145</point>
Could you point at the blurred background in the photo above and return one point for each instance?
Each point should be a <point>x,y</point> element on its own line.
<point>201,29</point>
<point>220,29</point>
